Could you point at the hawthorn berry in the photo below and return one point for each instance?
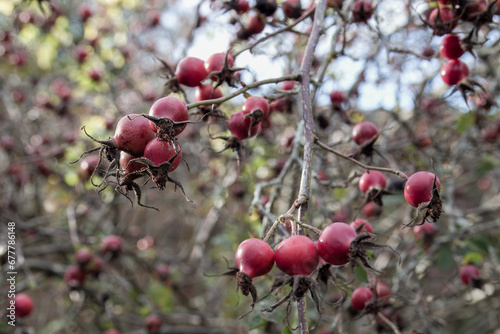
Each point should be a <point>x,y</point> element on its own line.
<point>215,63</point>
<point>424,231</point>
<point>88,166</point>
<point>363,132</point>
<point>450,47</point>
<point>23,305</point>
<point>190,71</point>
<point>256,107</point>
<point>382,289</point>
<point>361,226</point>
<point>443,20</point>
<point>334,243</point>
<point>159,152</point>
<point>207,92</point>
<point>242,6</point>
<point>75,276</point>
<point>337,98</point>
<point>372,180</point>
<point>472,9</point>
<point>95,75</point>
<point>418,188</point>
<point>360,297</point>
<point>85,12</point>
<point>112,244</point>
<point>127,165</point>
<point>468,274</point>
<point>83,257</point>
<point>132,133</point>
<point>254,257</point>
<point>292,8</point>
<point>297,255</point>
<point>242,127</point>
<point>256,24</point>
<point>153,323</point>
<point>168,108</point>
<point>454,71</point>
<point>371,209</point>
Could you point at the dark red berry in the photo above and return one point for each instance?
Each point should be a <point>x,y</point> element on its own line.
<point>372,179</point>
<point>160,152</point>
<point>454,71</point>
<point>23,305</point>
<point>450,47</point>
<point>418,188</point>
<point>362,226</point>
<point>190,71</point>
<point>172,108</point>
<point>254,257</point>
<point>364,132</point>
<point>334,243</point>
<point>297,255</point>
<point>242,127</point>
<point>112,244</point>
<point>468,273</point>
<point>360,297</point>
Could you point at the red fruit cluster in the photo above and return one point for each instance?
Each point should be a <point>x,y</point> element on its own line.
<point>143,145</point>
<point>247,122</point>
<point>88,264</point>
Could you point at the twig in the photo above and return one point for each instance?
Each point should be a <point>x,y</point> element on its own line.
<point>242,90</point>
<point>359,163</point>
<point>277,32</point>
<point>307,115</point>
<point>388,323</point>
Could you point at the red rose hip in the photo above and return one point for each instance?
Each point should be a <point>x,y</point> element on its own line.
<point>297,255</point>
<point>254,257</point>
<point>418,188</point>
<point>360,297</point>
<point>334,243</point>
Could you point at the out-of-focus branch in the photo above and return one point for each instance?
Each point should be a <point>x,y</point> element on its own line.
<point>359,163</point>
<point>242,90</point>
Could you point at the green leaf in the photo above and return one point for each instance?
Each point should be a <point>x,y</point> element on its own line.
<point>444,258</point>
<point>256,322</point>
<point>473,258</point>
<point>339,193</point>
<point>464,121</point>
<point>486,164</point>
<point>286,330</point>
<point>361,274</point>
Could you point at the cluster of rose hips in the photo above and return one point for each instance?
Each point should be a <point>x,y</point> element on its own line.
<point>454,71</point>
<point>87,264</point>
<point>445,15</point>
<point>337,244</point>
<point>145,145</point>
<point>361,11</point>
